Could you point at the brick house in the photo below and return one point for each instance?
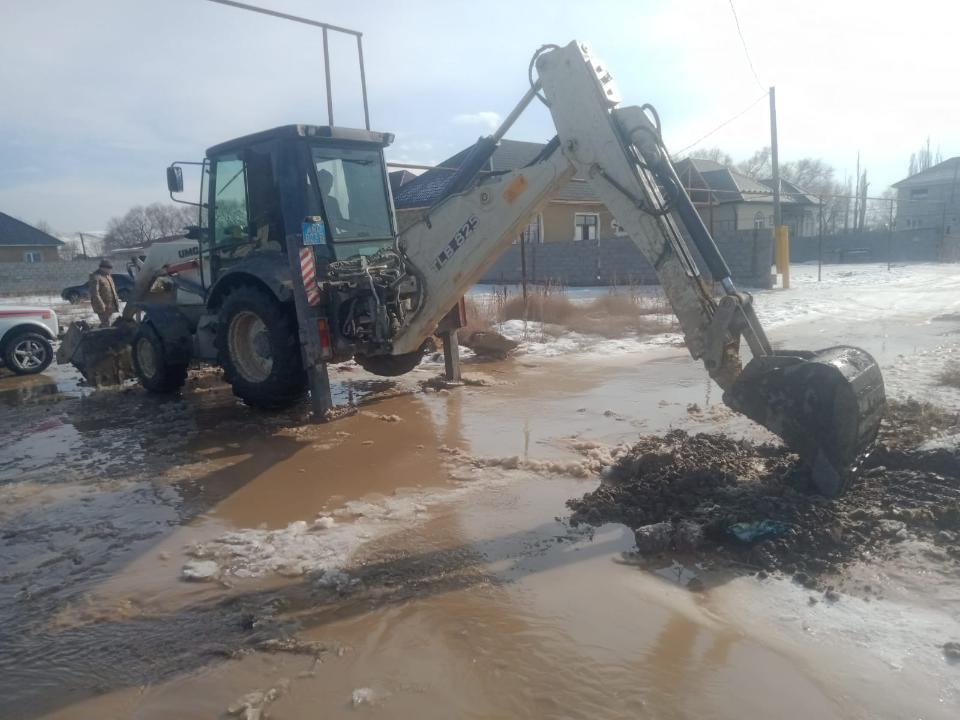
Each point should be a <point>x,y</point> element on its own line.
<point>575,213</point>
<point>20,242</point>
<point>729,200</point>
<point>930,199</point>
<point>725,199</point>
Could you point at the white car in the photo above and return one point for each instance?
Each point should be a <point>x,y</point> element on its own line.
<point>26,335</point>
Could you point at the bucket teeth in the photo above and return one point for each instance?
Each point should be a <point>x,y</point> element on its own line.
<point>826,405</point>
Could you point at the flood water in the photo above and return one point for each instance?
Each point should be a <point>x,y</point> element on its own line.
<point>467,597</point>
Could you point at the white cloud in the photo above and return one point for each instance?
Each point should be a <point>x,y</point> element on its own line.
<point>484,118</point>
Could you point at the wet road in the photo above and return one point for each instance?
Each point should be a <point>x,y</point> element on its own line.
<point>465,595</point>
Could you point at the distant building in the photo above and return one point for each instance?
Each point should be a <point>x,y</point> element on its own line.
<point>729,200</point>
<point>20,242</point>
<point>930,199</point>
<point>574,213</point>
<point>725,199</point>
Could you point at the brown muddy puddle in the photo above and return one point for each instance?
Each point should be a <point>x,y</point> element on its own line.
<point>486,607</point>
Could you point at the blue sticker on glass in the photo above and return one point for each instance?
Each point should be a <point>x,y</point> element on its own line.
<point>314,233</point>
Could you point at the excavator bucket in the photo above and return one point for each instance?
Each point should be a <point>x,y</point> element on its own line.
<point>826,406</point>
<point>102,355</point>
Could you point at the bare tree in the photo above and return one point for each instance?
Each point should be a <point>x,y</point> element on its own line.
<point>879,210</point>
<point>756,166</point>
<point>141,225</point>
<point>862,200</point>
<point>715,154</point>
<point>44,226</point>
<point>922,159</point>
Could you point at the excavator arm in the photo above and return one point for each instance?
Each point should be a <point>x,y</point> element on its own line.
<point>826,405</point>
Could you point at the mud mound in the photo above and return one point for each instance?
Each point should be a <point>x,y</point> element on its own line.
<point>740,503</point>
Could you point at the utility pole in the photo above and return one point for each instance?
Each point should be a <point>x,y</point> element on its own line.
<point>856,199</point>
<point>83,245</point>
<point>890,236</point>
<point>523,269</point>
<point>774,158</point>
<point>820,244</point>
<point>781,239</point>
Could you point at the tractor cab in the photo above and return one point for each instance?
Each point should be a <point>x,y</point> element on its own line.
<point>304,212</point>
<point>321,187</point>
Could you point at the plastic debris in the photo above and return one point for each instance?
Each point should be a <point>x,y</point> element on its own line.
<point>752,531</point>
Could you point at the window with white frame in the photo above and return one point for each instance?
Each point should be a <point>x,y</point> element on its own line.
<point>533,233</point>
<point>585,226</point>
<point>32,257</point>
<point>759,221</point>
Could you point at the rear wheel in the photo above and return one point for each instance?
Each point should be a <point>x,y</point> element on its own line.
<point>151,366</point>
<point>259,349</point>
<point>27,353</point>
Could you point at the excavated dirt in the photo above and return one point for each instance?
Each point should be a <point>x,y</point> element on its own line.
<point>685,494</point>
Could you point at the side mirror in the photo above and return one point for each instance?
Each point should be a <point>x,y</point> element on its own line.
<point>174,179</point>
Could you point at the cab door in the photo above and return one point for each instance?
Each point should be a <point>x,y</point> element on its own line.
<point>229,221</point>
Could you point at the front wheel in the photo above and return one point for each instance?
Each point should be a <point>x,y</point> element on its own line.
<point>28,353</point>
<point>259,349</point>
<point>151,366</point>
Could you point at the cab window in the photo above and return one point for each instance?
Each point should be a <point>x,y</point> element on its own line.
<point>230,201</point>
<point>353,190</point>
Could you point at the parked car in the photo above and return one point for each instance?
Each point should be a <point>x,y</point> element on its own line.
<point>79,293</point>
<point>26,336</point>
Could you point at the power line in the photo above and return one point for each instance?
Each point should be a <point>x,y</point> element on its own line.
<point>722,125</point>
<point>744,43</point>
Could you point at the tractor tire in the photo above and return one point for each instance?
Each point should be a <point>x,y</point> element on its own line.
<point>259,349</point>
<point>149,363</point>
<point>27,352</point>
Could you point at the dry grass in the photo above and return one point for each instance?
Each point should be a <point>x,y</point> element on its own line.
<point>481,316</point>
<point>551,309</point>
<point>950,375</point>
<point>615,315</point>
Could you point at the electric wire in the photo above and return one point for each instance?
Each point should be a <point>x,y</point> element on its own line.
<point>743,42</point>
<point>722,125</point>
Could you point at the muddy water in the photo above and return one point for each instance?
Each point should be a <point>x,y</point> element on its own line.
<point>490,607</point>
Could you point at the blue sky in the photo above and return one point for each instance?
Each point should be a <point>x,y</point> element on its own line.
<point>99,96</point>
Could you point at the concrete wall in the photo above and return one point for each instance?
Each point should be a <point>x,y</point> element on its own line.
<point>616,260</point>
<point>16,253</point>
<point>45,278</point>
<point>922,245</point>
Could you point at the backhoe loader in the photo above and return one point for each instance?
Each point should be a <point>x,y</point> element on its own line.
<point>297,263</point>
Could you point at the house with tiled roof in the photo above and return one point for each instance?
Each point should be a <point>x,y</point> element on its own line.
<point>20,242</point>
<point>573,213</point>
<point>726,199</point>
<point>729,200</point>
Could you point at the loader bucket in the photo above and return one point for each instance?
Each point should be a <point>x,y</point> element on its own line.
<point>102,355</point>
<point>826,405</point>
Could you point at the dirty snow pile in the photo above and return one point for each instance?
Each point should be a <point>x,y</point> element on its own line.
<point>546,340</point>
<point>319,548</point>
